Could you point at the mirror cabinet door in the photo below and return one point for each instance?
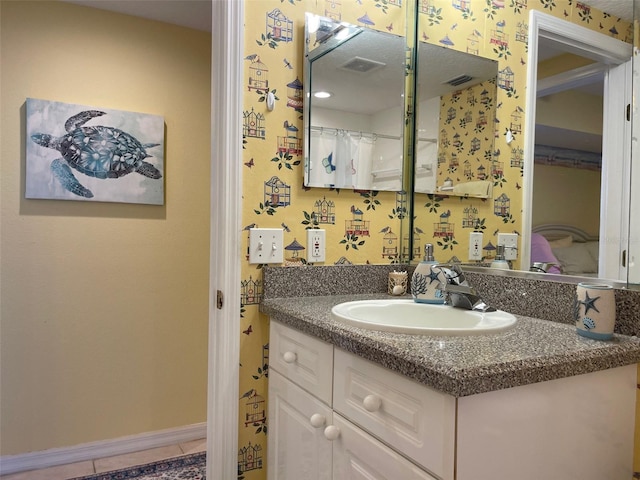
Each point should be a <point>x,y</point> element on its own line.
<point>354,85</point>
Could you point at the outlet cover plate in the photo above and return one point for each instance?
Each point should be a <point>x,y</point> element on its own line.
<point>475,246</point>
<point>266,245</point>
<point>316,245</point>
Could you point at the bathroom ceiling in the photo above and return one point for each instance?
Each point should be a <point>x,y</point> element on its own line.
<point>197,13</point>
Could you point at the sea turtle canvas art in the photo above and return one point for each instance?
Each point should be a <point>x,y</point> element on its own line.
<point>77,152</point>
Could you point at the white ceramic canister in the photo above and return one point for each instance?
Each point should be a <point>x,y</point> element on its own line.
<point>595,310</point>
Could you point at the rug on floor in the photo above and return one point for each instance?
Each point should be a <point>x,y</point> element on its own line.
<point>187,467</point>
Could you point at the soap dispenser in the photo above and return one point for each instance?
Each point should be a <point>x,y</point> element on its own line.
<point>499,261</point>
<point>427,279</point>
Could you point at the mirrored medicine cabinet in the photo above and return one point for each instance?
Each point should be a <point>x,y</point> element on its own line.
<point>356,107</point>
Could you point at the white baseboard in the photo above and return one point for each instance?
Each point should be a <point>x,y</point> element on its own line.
<point>101,449</point>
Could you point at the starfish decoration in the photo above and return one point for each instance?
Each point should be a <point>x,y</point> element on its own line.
<point>433,276</point>
<point>589,303</point>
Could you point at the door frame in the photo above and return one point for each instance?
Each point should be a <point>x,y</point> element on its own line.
<point>612,52</point>
<point>227,52</point>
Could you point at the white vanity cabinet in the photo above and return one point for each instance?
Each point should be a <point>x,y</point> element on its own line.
<point>307,439</point>
<point>334,415</point>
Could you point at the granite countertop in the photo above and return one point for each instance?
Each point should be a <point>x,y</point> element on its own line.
<point>532,351</point>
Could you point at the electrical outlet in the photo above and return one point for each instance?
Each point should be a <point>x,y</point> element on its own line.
<point>316,245</point>
<point>510,242</point>
<point>266,245</point>
<point>475,246</point>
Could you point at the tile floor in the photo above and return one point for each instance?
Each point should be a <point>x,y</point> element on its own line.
<point>100,465</point>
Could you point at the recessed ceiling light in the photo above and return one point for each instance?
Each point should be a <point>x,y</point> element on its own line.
<point>322,94</point>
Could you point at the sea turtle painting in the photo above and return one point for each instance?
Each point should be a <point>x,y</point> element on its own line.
<point>97,151</point>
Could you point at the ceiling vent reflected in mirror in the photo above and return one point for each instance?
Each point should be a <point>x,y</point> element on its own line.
<point>459,80</point>
<point>362,65</point>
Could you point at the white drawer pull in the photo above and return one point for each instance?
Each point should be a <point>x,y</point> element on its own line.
<point>317,420</point>
<point>331,432</point>
<point>372,403</point>
<point>289,357</point>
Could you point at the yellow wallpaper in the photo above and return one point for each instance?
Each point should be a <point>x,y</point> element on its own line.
<point>465,134</point>
<point>365,226</point>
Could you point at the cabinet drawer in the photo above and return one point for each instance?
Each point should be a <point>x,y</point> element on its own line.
<point>412,418</point>
<point>305,360</point>
<point>357,455</point>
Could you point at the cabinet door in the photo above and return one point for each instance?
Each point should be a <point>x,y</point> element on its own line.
<point>358,456</point>
<point>297,447</point>
<point>410,417</point>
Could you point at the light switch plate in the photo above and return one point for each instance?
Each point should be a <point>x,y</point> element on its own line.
<point>510,242</point>
<point>266,245</point>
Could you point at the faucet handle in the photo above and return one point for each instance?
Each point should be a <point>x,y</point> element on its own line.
<point>456,277</point>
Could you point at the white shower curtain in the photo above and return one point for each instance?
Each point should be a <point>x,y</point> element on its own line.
<point>340,157</point>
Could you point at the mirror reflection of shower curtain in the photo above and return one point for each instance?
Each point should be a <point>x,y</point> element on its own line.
<point>358,169</point>
<point>340,157</point>
<point>322,168</point>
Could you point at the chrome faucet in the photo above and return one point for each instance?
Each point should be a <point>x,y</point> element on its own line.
<point>458,293</point>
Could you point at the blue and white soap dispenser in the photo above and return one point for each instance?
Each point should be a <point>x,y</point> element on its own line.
<point>499,261</point>
<point>427,279</point>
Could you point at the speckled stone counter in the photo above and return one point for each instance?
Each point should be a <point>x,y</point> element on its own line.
<point>532,351</point>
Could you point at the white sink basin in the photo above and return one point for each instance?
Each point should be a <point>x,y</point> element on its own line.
<point>406,316</point>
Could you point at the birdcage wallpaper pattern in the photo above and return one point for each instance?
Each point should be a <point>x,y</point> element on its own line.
<point>255,410</point>
<point>469,217</point>
<point>444,228</point>
<point>333,9</point>
<point>357,225</point>
<point>279,27</point>
<point>438,21</point>
<point>497,168</point>
<point>295,95</point>
<point>473,43</point>
<point>249,458</point>
<point>251,291</point>
<point>498,35</point>
<point>390,245</point>
<point>505,78</point>
<point>517,157</point>
<point>461,5</point>
<point>467,171</point>
<point>258,75</point>
<point>253,124</point>
<point>324,211</point>
<point>516,121</point>
<point>502,206</point>
<point>277,193</point>
<point>290,142</point>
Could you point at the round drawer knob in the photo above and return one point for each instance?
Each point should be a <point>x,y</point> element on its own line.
<point>317,420</point>
<point>331,432</point>
<point>289,357</point>
<point>372,403</point>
